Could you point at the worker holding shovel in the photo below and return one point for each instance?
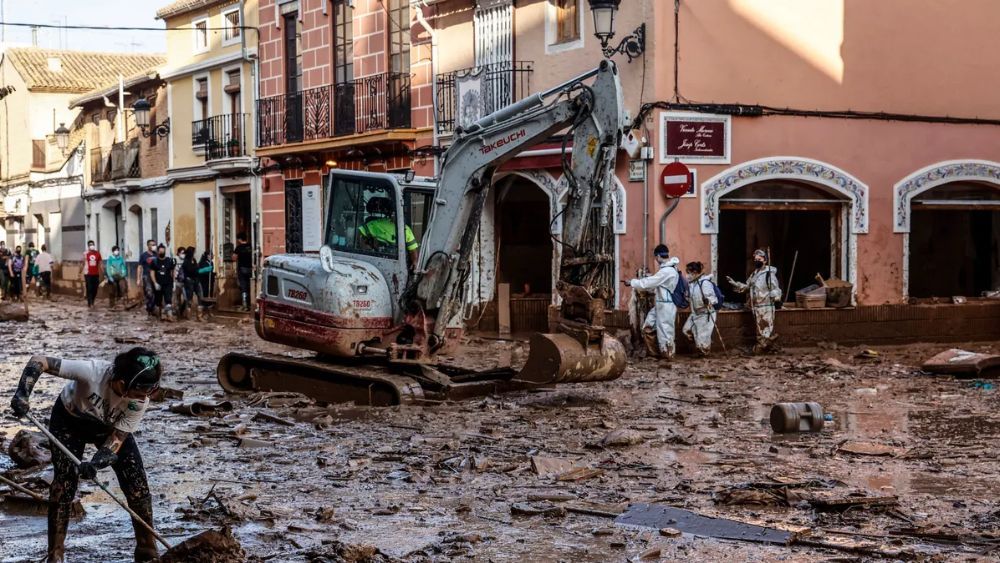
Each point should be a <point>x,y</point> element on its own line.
<point>102,404</point>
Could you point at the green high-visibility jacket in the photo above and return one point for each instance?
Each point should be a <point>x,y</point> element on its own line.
<point>383,230</point>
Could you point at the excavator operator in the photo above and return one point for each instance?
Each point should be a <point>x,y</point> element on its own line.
<point>379,230</point>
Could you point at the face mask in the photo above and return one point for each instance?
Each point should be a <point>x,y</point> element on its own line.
<point>91,247</point>
<point>163,255</point>
<point>115,252</point>
<point>181,255</point>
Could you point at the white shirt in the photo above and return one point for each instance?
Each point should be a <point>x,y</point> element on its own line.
<point>44,262</point>
<point>89,395</point>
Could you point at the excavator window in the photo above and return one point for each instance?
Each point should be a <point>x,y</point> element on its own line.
<point>363,217</point>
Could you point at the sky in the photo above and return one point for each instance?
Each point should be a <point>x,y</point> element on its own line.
<point>131,13</point>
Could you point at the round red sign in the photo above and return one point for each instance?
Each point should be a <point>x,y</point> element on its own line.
<point>675,180</point>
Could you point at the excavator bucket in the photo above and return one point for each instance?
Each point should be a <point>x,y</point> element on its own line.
<point>560,358</point>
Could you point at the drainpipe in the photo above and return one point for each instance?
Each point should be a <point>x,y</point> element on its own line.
<point>434,63</point>
<point>663,219</point>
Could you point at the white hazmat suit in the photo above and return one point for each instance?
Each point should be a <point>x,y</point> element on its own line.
<point>763,293</point>
<point>701,323</point>
<point>663,315</point>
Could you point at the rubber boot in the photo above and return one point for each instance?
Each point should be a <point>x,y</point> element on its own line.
<point>58,522</point>
<point>652,346</point>
<point>145,541</point>
<point>197,314</point>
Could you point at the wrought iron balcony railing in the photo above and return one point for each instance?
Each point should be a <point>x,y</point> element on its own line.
<point>222,136</point>
<point>464,96</point>
<point>372,103</point>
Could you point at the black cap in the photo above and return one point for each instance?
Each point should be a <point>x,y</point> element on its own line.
<point>139,368</point>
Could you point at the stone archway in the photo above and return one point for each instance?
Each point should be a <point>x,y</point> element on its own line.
<point>928,178</point>
<point>820,174</point>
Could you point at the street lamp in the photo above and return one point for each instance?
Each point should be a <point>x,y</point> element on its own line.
<point>632,45</point>
<point>62,137</point>
<point>141,109</point>
<point>604,19</point>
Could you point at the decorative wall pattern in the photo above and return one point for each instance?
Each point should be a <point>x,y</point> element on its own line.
<point>934,176</point>
<point>787,167</point>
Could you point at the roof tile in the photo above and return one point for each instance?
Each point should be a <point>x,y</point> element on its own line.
<point>77,71</point>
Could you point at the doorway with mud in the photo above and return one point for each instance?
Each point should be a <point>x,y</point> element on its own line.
<point>795,222</point>
<point>954,241</point>
<point>524,253</point>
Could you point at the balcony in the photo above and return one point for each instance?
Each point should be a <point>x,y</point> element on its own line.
<point>363,105</point>
<point>221,136</point>
<point>484,90</point>
<point>121,162</point>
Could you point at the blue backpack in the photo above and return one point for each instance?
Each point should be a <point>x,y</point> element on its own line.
<point>719,297</point>
<point>680,293</point>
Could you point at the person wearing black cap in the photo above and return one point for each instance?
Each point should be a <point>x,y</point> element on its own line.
<point>662,317</point>
<point>763,292</point>
<point>102,404</point>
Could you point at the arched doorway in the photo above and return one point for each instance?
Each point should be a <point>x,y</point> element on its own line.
<point>800,225</point>
<point>949,214</point>
<point>524,251</point>
<point>789,204</point>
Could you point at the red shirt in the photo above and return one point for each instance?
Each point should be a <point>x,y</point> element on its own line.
<point>93,260</point>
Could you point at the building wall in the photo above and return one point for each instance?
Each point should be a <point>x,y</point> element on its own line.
<point>186,213</point>
<point>181,56</point>
<point>835,55</point>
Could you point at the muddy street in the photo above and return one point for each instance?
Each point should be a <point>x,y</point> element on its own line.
<point>905,466</point>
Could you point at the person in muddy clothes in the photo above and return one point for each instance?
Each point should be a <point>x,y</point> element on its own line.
<point>102,404</point>
<point>700,323</point>
<point>243,256</point>
<point>191,285</point>
<point>31,272</point>
<point>92,272</point>
<point>663,315</point>
<point>44,263</point>
<point>15,274</point>
<point>763,292</point>
<point>4,269</point>
<point>205,273</point>
<point>117,275</point>
<point>163,280</point>
<point>145,278</point>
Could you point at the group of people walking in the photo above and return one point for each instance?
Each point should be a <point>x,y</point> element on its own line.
<point>19,270</point>
<point>697,290</point>
<point>163,279</point>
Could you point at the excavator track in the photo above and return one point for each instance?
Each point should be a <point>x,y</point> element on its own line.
<point>554,358</point>
<point>323,381</point>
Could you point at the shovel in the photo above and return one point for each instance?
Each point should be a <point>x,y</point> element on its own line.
<point>210,545</point>
<point>76,462</point>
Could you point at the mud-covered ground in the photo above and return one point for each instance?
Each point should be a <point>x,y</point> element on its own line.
<point>452,480</point>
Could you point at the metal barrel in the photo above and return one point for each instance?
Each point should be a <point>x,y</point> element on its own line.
<point>796,417</point>
<point>560,358</point>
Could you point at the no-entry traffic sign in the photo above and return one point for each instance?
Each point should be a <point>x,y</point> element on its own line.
<point>675,180</point>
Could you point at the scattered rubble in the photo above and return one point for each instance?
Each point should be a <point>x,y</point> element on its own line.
<point>29,448</point>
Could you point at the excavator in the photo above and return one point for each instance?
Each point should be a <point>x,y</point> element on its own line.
<point>380,315</point>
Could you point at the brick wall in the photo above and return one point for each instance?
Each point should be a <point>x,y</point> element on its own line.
<point>369,38</point>
<point>273,214</point>
<point>422,84</point>
<point>269,50</point>
<point>317,53</point>
<point>874,325</point>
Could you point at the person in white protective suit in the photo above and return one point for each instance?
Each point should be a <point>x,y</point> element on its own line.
<point>663,315</point>
<point>701,322</point>
<point>763,292</point>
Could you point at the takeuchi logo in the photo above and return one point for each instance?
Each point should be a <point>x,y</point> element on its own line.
<point>486,149</point>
